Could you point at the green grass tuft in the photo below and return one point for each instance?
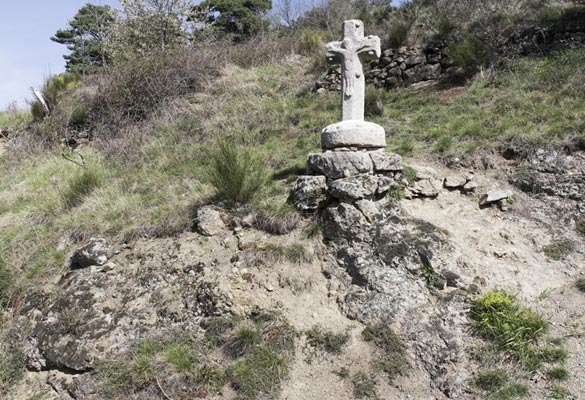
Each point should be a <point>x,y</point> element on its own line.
<point>491,380</point>
<point>559,250</point>
<point>558,373</point>
<point>245,341</point>
<point>261,373</point>
<point>364,386</point>
<point>581,284</point>
<point>559,392</point>
<point>81,186</point>
<point>326,340</point>
<point>235,172</point>
<point>393,361</point>
<point>498,317</point>
<point>511,392</point>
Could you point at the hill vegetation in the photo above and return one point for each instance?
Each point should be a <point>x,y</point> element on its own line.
<point>219,106</point>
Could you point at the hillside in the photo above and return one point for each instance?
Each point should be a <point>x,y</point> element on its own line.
<point>200,278</point>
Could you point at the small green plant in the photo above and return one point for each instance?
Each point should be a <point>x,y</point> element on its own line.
<point>558,373</point>
<point>244,341</point>
<point>326,340</point>
<point>491,380</point>
<point>559,250</point>
<point>581,284</point>
<point>510,392</point>
<point>342,373</point>
<point>81,186</point>
<point>261,373</point>
<point>444,26</point>
<point>180,356</point>
<point>409,174</point>
<point>364,386</point>
<point>559,392</point>
<point>235,172</point>
<point>393,361</point>
<point>496,316</point>
<point>295,253</point>
<point>218,328</point>
<point>12,365</point>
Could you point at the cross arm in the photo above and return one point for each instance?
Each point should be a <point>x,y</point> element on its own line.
<point>335,52</point>
<point>370,48</point>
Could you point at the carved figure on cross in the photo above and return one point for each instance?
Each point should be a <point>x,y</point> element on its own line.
<point>352,52</point>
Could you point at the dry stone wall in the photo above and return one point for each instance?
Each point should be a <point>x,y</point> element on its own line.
<point>399,67</point>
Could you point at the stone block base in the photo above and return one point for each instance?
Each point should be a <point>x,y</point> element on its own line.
<point>353,133</point>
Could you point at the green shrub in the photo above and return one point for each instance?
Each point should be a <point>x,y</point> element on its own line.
<point>310,43</point>
<point>496,316</point>
<point>398,31</point>
<point>52,91</point>
<point>559,250</point>
<point>469,53</point>
<point>235,172</point>
<point>491,380</point>
<point>81,186</point>
<point>393,361</point>
<point>326,340</point>
<point>444,26</point>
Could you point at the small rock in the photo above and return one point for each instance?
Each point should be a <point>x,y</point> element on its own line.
<point>386,162</point>
<point>97,252</point>
<point>309,193</point>
<point>455,181</point>
<point>426,188</point>
<point>208,221</point>
<point>495,196</point>
<point>470,187</point>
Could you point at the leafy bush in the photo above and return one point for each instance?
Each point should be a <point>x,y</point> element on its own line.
<point>469,53</point>
<point>235,172</point>
<point>326,340</point>
<point>398,32</point>
<point>52,91</point>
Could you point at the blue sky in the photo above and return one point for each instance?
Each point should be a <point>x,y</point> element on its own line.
<point>27,55</point>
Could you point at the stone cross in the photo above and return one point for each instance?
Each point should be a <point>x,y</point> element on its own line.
<point>351,53</point>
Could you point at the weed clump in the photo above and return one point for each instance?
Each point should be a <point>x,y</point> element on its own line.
<point>326,340</point>
<point>491,380</point>
<point>558,373</point>
<point>364,386</point>
<point>12,363</point>
<point>235,172</point>
<point>496,316</point>
<point>581,284</point>
<point>559,250</point>
<point>393,361</point>
<point>512,391</point>
<point>278,220</point>
<point>81,186</point>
